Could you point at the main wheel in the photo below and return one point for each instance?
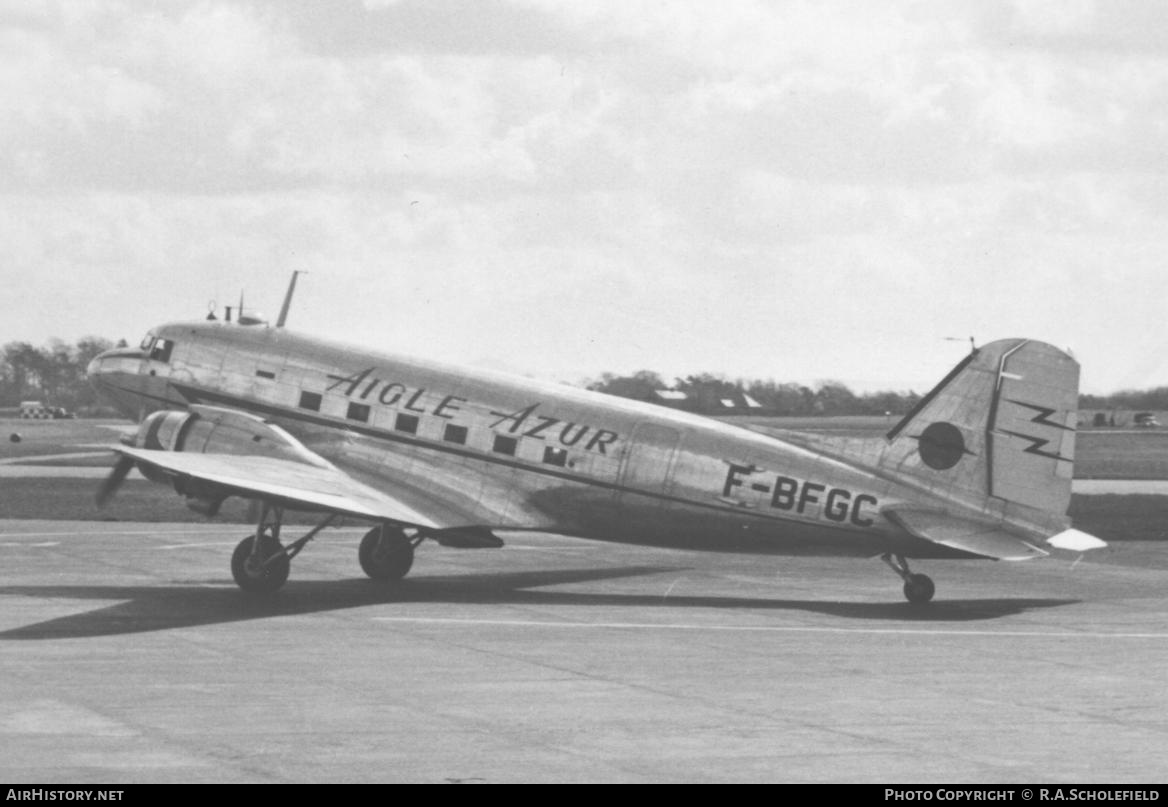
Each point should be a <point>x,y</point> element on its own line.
<point>919,589</point>
<point>386,553</point>
<point>258,575</point>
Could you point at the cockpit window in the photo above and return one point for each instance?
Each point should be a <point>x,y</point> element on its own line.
<point>147,342</point>
<point>161,350</point>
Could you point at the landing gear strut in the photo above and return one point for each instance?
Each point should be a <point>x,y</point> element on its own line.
<point>918,588</point>
<point>260,563</point>
<point>387,552</point>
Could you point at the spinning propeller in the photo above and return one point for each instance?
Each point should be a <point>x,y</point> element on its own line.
<point>111,483</point>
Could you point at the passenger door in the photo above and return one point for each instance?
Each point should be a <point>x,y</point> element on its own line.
<point>647,465</point>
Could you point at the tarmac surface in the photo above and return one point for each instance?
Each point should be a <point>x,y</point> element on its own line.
<point>128,655</point>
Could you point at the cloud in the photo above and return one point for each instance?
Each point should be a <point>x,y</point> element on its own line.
<point>1087,27</point>
<point>715,187</point>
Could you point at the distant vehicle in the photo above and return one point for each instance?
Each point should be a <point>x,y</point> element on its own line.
<point>35,410</point>
<point>1145,420</point>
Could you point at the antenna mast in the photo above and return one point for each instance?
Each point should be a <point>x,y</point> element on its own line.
<point>288,299</point>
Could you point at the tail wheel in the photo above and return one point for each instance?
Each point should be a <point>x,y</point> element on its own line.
<point>262,572</point>
<point>919,589</point>
<point>386,553</point>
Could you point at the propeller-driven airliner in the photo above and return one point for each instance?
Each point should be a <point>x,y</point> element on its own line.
<point>980,468</point>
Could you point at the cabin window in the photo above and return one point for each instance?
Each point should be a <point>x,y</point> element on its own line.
<point>454,434</point>
<point>555,456</point>
<point>161,350</point>
<point>265,374</point>
<point>505,445</point>
<point>406,423</point>
<point>358,411</point>
<point>310,400</point>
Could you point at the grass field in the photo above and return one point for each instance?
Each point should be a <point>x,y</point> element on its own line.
<point>74,500</point>
<point>1121,455</point>
<point>41,438</point>
<point>854,425</point>
<point>1112,518</point>
<point>66,499</point>
<point>1100,454</point>
<point>1118,454</point>
<point>1121,518</point>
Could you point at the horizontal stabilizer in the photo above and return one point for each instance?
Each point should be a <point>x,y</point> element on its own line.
<point>987,540</point>
<point>1075,541</point>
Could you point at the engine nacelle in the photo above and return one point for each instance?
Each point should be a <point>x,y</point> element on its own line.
<point>163,430</point>
<point>211,430</point>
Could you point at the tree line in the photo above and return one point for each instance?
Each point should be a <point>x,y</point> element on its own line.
<point>55,374</point>
<point>708,393</point>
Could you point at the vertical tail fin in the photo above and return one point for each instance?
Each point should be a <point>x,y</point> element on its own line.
<point>1000,425</point>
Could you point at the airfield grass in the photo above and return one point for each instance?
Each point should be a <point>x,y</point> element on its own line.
<point>1099,455</point>
<point>104,459</point>
<point>44,438</point>
<point>849,425</point>
<point>1110,517</point>
<point>66,499</point>
<point>1121,455</point>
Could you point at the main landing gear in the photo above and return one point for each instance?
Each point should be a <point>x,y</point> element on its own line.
<point>260,563</point>
<point>387,552</point>
<point>918,588</point>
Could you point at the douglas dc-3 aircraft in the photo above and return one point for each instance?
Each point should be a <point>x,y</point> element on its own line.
<point>981,468</point>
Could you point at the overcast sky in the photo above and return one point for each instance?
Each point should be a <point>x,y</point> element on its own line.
<point>789,190</point>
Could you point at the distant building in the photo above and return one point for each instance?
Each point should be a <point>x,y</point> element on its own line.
<point>730,404</point>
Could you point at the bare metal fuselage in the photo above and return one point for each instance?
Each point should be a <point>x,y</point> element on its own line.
<point>470,447</point>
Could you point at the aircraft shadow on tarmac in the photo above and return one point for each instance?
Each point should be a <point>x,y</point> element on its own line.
<point>164,607</point>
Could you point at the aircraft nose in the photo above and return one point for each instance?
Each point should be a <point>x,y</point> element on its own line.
<point>117,360</point>
<point>96,364</point>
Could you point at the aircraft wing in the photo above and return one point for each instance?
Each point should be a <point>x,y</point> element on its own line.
<point>987,540</point>
<point>293,484</point>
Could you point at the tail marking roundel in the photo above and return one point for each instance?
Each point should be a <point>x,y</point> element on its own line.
<point>941,445</point>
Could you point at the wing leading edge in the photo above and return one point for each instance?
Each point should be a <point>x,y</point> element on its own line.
<point>287,481</point>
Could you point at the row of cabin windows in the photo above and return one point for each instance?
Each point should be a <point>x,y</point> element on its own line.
<point>452,433</point>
